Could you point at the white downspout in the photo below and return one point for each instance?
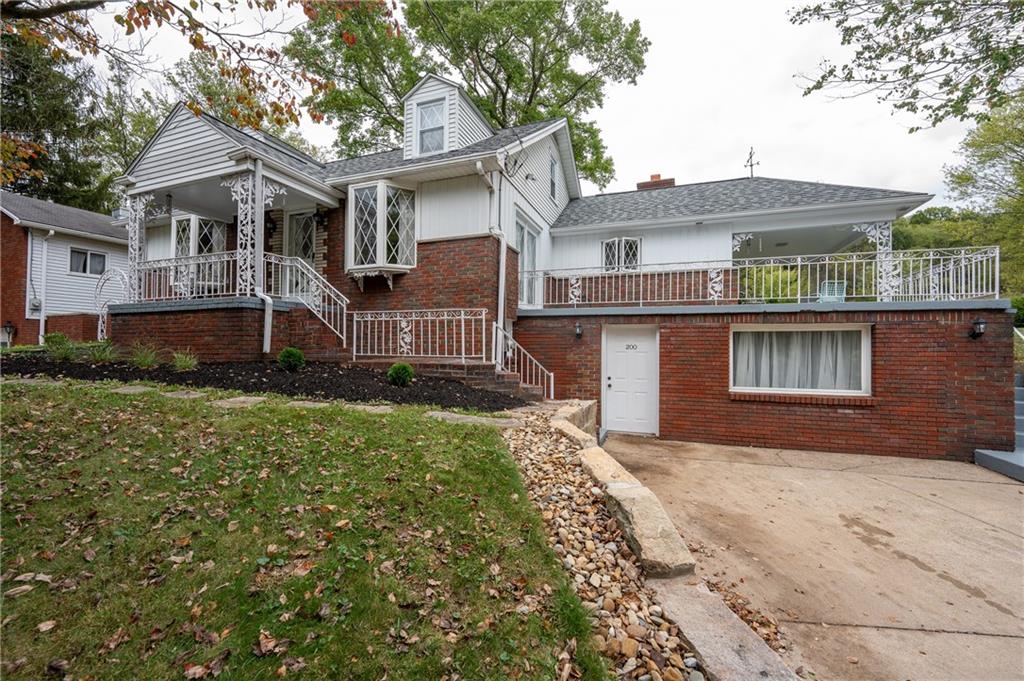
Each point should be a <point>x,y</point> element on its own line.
<point>268,302</point>
<point>42,287</point>
<point>495,228</point>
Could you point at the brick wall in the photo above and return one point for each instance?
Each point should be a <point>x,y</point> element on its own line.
<point>936,392</point>
<point>77,327</point>
<point>13,279</point>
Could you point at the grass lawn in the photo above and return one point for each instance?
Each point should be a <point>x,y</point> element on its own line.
<point>170,539</point>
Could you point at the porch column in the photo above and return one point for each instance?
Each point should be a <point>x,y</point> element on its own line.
<point>138,207</point>
<point>253,194</point>
<point>887,270</point>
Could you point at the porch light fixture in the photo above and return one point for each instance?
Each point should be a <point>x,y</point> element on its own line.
<point>8,329</point>
<point>579,330</point>
<point>978,328</point>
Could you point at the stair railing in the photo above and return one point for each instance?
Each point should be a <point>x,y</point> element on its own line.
<point>293,278</point>
<point>510,356</point>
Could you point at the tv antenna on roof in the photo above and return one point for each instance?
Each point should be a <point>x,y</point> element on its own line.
<point>750,162</point>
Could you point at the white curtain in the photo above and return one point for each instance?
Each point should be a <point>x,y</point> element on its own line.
<point>797,360</point>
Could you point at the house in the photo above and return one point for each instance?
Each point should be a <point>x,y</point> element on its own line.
<point>751,311</point>
<point>53,258</point>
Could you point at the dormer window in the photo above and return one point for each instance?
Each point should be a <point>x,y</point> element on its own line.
<point>381,228</point>
<point>430,126</point>
<point>552,174</point>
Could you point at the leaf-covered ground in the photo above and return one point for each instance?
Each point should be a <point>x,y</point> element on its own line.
<point>151,538</point>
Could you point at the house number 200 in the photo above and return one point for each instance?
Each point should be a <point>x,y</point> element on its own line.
<point>631,346</point>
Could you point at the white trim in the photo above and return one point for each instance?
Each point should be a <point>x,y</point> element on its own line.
<point>380,265</point>
<point>88,257</point>
<point>445,104</point>
<point>656,379</point>
<point>865,354</point>
<point>72,232</point>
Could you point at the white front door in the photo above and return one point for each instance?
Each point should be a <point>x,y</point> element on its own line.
<point>630,385</point>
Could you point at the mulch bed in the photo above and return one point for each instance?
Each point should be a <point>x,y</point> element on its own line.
<point>315,380</point>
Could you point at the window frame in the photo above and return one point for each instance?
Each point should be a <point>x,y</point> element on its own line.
<point>380,247</point>
<point>89,253</point>
<point>443,102</point>
<point>530,230</point>
<point>553,178</point>
<point>619,266</point>
<point>865,354</point>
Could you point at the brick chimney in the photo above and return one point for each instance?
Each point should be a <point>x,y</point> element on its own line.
<point>656,183</point>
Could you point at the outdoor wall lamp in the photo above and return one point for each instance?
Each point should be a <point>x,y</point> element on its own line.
<point>977,328</point>
<point>579,330</point>
<point>8,329</point>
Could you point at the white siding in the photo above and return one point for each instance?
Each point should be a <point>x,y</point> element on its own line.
<point>535,192</point>
<point>66,292</point>
<point>186,147</point>
<point>691,243</point>
<point>431,91</point>
<point>158,243</point>
<point>450,208</point>
<point>469,128</point>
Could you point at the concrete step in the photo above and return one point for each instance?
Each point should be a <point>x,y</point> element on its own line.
<point>1010,464</point>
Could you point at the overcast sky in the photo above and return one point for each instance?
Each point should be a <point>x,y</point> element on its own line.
<point>720,78</point>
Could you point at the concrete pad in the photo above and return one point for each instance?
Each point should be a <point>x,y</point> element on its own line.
<point>371,408</point>
<point>728,648</point>
<point>184,394</point>
<point>649,531</point>
<point>30,381</point>
<point>469,419</point>
<point>240,402</point>
<point>132,389</point>
<point>307,404</point>
<point>864,552</point>
<point>923,468</point>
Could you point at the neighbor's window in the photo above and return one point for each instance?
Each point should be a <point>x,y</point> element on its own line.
<point>552,174</point>
<point>382,225</point>
<point>88,262</point>
<point>802,359</point>
<point>621,254</point>
<point>431,126</point>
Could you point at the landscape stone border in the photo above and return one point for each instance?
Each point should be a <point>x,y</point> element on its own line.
<point>730,650</point>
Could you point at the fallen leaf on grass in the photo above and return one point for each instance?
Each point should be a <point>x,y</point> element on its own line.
<point>268,645</point>
<point>290,664</point>
<point>89,555</point>
<point>44,627</point>
<point>120,636</point>
<point>232,526</point>
<point>18,591</point>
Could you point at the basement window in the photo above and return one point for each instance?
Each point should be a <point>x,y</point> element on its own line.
<point>810,359</point>
<point>381,228</point>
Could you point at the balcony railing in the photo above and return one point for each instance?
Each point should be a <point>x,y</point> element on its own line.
<point>459,334</point>
<point>919,275</point>
<point>211,275</point>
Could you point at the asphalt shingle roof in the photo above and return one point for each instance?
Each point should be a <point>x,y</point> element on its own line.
<point>275,148</point>
<point>392,160</point>
<point>713,198</point>
<point>59,216</point>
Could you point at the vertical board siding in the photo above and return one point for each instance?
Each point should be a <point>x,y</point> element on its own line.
<point>685,243</point>
<point>67,292</point>
<point>454,207</point>
<point>187,146</point>
<point>159,243</point>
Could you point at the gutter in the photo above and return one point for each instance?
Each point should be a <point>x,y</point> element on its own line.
<point>66,230</point>
<point>268,302</point>
<point>42,287</point>
<point>495,228</point>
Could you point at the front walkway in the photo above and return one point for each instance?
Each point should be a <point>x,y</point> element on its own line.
<point>874,567</point>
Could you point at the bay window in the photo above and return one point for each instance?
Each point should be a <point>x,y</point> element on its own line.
<point>797,358</point>
<point>381,227</point>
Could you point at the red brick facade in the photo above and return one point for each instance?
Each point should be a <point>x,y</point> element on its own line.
<point>935,392</point>
<point>13,279</point>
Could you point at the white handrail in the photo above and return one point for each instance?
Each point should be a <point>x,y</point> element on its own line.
<point>449,333</point>
<point>209,275</point>
<point>293,278</point>
<point>512,357</point>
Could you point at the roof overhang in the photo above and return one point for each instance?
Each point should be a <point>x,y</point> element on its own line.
<point>71,232</point>
<point>560,129</point>
<point>814,215</point>
<point>450,167</point>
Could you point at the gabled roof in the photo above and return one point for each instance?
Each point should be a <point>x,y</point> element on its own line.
<point>392,160</point>
<point>723,197</point>
<point>46,214</point>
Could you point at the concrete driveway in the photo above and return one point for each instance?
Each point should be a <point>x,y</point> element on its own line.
<point>876,568</point>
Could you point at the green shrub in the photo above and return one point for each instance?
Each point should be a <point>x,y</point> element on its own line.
<point>184,361</point>
<point>103,351</point>
<point>291,359</point>
<point>144,356</point>
<point>62,353</point>
<point>400,374</point>
<point>55,340</point>
<point>1018,304</point>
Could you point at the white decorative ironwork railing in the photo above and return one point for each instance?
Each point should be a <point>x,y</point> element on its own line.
<point>211,275</point>
<point>439,334</point>
<point>919,275</point>
<point>293,278</point>
<point>104,297</point>
<point>510,356</point>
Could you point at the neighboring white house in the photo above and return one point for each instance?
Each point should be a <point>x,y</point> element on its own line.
<point>53,257</point>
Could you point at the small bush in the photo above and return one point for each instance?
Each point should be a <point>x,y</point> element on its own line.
<point>184,361</point>
<point>62,353</point>
<point>291,359</point>
<point>55,340</point>
<point>101,352</point>
<point>1018,304</point>
<point>400,374</point>
<point>144,356</point>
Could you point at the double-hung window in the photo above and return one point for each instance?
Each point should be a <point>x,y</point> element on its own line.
<point>620,255</point>
<point>381,227</point>
<point>430,126</point>
<point>87,262</point>
<point>801,358</point>
<point>526,243</point>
